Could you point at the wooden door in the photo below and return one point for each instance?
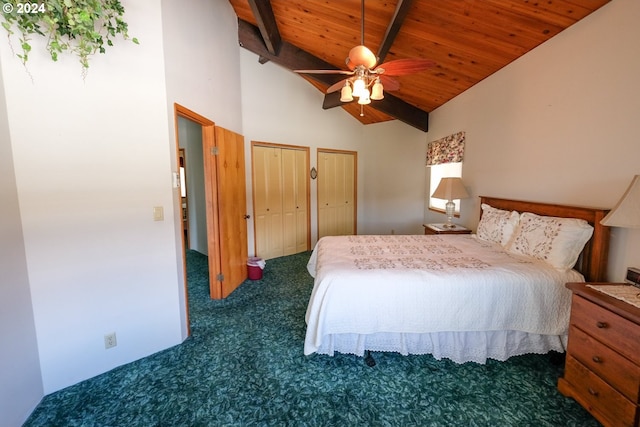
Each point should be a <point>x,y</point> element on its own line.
<point>345,203</point>
<point>281,199</point>
<point>289,201</point>
<point>225,201</point>
<point>268,201</point>
<point>295,200</point>
<point>303,232</point>
<point>326,195</point>
<point>337,212</point>
<point>232,209</point>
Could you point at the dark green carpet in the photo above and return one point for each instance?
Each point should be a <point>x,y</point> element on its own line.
<point>243,366</point>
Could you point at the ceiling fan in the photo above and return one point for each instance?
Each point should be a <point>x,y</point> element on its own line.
<point>368,81</point>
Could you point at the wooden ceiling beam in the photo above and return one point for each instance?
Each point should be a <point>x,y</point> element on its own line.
<point>263,12</point>
<point>391,105</point>
<point>294,58</point>
<point>289,56</point>
<point>402,10</point>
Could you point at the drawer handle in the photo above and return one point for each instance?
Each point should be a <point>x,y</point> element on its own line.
<point>601,325</point>
<point>592,392</point>
<point>596,359</point>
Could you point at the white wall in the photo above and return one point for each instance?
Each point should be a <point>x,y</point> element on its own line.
<point>394,189</point>
<point>20,376</point>
<point>202,60</point>
<point>91,161</point>
<point>558,125</point>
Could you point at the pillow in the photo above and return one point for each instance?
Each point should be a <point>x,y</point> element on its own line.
<point>557,241</point>
<point>497,225</point>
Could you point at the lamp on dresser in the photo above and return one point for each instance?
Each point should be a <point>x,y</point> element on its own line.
<point>627,212</point>
<point>450,189</point>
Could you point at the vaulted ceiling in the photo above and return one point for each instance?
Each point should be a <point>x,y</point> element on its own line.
<point>467,39</point>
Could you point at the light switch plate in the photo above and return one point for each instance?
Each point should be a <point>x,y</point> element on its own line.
<point>158,213</point>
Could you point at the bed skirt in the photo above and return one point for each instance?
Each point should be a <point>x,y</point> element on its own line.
<point>460,347</point>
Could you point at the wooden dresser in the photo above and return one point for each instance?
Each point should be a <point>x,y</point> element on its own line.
<point>602,370</point>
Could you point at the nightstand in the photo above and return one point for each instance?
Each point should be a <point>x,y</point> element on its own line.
<point>440,229</point>
<point>602,371</point>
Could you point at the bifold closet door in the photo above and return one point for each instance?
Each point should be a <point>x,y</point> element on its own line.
<point>336,193</point>
<point>295,229</point>
<point>268,201</point>
<point>281,200</point>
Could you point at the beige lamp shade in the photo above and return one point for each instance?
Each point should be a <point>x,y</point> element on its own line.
<point>627,212</point>
<point>450,189</point>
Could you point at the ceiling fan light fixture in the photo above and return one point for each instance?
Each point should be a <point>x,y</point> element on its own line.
<point>361,55</point>
<point>364,98</point>
<point>377,91</point>
<point>345,93</point>
<point>359,86</point>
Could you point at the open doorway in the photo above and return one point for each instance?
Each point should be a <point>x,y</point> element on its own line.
<point>188,125</point>
<point>192,193</point>
<point>215,199</point>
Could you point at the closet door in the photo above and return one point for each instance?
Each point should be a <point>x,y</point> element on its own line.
<point>336,193</point>
<point>302,200</point>
<point>268,201</point>
<point>288,232</point>
<point>345,202</point>
<point>327,219</point>
<point>289,201</point>
<point>295,200</point>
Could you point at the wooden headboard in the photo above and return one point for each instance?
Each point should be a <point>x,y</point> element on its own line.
<point>593,260</point>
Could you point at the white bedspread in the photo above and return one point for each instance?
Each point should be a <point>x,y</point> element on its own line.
<point>414,284</point>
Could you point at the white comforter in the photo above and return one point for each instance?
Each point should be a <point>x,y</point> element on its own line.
<point>430,284</point>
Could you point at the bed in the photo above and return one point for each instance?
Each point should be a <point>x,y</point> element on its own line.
<point>491,295</point>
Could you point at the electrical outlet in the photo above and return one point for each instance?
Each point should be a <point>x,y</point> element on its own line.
<point>110,340</point>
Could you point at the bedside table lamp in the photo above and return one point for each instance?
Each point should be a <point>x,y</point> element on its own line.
<point>627,212</point>
<point>450,189</point>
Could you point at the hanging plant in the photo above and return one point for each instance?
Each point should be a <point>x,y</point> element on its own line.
<point>81,27</point>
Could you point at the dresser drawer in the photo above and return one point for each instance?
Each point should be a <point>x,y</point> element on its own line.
<point>604,402</point>
<point>610,329</point>
<point>615,369</point>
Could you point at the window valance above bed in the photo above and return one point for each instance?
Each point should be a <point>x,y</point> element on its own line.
<point>449,149</point>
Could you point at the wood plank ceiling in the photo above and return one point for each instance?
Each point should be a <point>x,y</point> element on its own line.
<point>467,39</point>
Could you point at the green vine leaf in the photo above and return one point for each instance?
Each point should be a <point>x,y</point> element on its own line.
<point>82,27</point>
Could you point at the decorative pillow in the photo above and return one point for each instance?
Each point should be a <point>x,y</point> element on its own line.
<point>558,241</point>
<point>497,225</point>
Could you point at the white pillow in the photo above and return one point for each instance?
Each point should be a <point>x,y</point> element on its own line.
<point>497,225</point>
<point>557,241</point>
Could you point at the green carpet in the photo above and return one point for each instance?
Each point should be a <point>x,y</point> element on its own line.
<point>244,366</point>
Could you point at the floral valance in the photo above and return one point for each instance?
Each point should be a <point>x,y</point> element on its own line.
<point>449,149</point>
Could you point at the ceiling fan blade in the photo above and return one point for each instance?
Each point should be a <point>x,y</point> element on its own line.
<point>401,67</point>
<point>389,83</point>
<point>324,72</point>
<point>336,87</point>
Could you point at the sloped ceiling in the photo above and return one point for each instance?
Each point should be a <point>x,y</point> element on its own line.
<point>467,39</point>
